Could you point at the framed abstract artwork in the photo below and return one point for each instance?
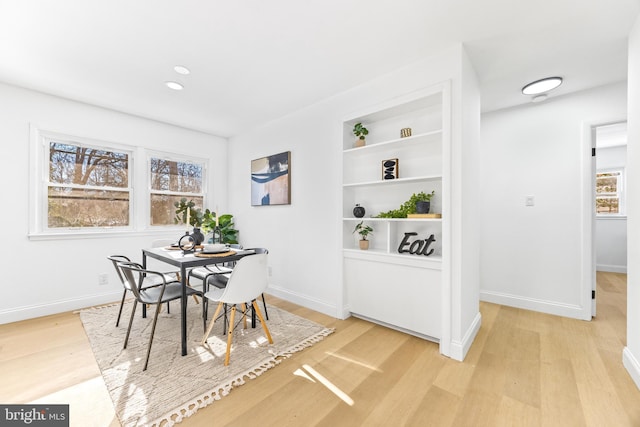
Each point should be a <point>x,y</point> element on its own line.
<point>271,180</point>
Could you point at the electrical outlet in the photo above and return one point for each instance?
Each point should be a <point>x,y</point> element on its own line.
<point>530,201</point>
<point>103,279</point>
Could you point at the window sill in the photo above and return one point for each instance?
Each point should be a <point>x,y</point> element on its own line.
<point>611,217</point>
<point>103,233</point>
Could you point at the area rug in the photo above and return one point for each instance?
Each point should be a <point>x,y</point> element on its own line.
<point>173,386</point>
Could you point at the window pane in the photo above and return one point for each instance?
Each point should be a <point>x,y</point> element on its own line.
<point>73,207</point>
<point>73,164</point>
<point>163,210</point>
<point>170,175</point>
<point>607,205</point>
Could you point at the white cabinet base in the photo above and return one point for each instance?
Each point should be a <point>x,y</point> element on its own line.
<point>398,296</point>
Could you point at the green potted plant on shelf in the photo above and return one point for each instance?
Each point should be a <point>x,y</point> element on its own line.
<point>361,132</point>
<point>410,206</point>
<point>363,231</point>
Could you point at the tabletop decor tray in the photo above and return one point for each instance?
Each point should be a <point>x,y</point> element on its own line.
<point>214,254</point>
<point>177,248</point>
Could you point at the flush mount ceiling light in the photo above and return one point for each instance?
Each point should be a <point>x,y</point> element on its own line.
<point>180,69</point>
<point>542,85</point>
<point>174,85</point>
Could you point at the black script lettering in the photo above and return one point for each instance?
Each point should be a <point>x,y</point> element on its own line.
<point>405,242</point>
<point>428,242</point>
<point>417,247</point>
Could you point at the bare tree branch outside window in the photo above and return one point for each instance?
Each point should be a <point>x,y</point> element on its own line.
<point>88,187</point>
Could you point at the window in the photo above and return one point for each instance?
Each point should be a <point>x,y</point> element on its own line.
<point>171,179</point>
<point>610,192</point>
<point>84,187</point>
<point>87,187</point>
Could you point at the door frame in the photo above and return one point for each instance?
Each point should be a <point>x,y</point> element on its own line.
<point>588,214</point>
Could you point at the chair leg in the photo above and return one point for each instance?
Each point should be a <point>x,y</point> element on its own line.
<point>264,304</point>
<point>153,330</point>
<point>124,295</point>
<point>133,313</point>
<point>244,314</point>
<point>213,320</point>
<point>230,336</point>
<point>264,324</point>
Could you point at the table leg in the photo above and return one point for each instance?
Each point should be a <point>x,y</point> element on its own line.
<point>144,267</point>
<point>183,300</point>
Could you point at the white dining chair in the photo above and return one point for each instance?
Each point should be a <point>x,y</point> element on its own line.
<point>247,281</point>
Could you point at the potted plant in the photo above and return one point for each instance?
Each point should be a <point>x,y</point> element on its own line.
<point>188,213</point>
<point>410,206</point>
<point>228,233</point>
<point>363,231</point>
<point>360,131</point>
<point>423,202</point>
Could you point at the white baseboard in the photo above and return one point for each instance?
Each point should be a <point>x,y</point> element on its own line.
<point>612,268</point>
<point>631,364</point>
<point>304,300</point>
<point>549,307</point>
<point>459,349</point>
<point>32,311</point>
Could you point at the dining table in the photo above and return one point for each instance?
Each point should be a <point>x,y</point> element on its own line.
<point>186,260</point>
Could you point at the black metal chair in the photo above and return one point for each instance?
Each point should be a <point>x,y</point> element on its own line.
<point>135,276</point>
<point>148,282</point>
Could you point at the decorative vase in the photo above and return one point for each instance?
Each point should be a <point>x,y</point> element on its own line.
<point>358,211</point>
<point>360,142</point>
<point>423,207</point>
<point>364,244</point>
<point>197,235</point>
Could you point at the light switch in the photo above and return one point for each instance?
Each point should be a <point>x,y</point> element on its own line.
<point>529,201</point>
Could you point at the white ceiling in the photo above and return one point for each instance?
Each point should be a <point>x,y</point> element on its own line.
<point>252,61</point>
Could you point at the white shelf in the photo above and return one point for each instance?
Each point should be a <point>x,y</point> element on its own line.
<point>395,181</point>
<point>415,305</point>
<point>394,219</point>
<point>388,144</point>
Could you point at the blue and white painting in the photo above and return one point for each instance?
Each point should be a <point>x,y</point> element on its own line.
<point>270,180</point>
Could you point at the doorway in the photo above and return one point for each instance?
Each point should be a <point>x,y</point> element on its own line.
<point>609,220</point>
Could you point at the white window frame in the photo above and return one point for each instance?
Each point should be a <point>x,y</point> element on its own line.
<point>178,158</point>
<point>621,193</point>
<point>139,184</point>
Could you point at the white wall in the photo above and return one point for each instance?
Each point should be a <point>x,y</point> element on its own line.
<point>304,238</point>
<point>44,277</point>
<point>631,354</point>
<point>531,257</point>
<point>611,231</point>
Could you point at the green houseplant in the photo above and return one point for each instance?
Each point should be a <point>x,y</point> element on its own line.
<point>184,207</point>
<point>363,231</point>
<point>205,220</point>
<point>225,223</point>
<point>361,132</point>
<point>408,207</point>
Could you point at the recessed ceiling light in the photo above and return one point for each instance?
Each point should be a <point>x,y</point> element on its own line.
<point>174,85</point>
<point>181,70</point>
<point>541,86</point>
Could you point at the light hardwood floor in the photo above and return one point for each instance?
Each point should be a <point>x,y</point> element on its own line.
<point>524,369</point>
